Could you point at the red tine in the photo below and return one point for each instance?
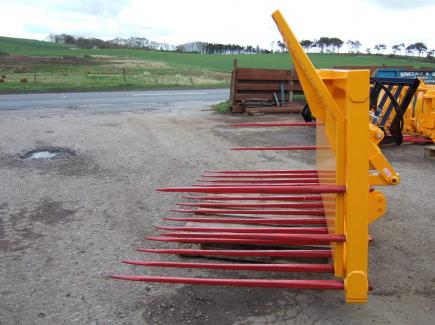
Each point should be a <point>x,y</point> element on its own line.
<point>288,124</point>
<point>254,198</point>
<point>290,148</point>
<point>290,238</point>
<point>302,267</point>
<point>296,253</point>
<point>262,283</point>
<point>268,212</point>
<point>307,189</point>
<point>293,239</point>
<point>254,205</point>
<point>270,221</point>
<point>292,176</point>
<point>264,181</point>
<point>285,230</point>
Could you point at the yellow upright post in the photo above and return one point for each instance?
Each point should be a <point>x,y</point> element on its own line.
<point>357,186</point>
<point>340,101</point>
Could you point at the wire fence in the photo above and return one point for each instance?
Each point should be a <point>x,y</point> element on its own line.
<point>106,78</point>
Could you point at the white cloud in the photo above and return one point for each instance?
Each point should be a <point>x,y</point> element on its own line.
<point>402,4</point>
<point>226,21</point>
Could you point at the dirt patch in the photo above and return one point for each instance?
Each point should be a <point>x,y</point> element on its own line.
<point>52,212</point>
<point>66,161</point>
<point>16,60</point>
<point>19,225</point>
<point>211,305</point>
<point>113,125</point>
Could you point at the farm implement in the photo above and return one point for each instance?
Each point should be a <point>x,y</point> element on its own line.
<point>399,106</point>
<point>419,119</point>
<point>302,215</point>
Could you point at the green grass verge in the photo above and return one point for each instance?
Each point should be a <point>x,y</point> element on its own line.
<point>101,69</point>
<point>105,74</point>
<point>223,107</point>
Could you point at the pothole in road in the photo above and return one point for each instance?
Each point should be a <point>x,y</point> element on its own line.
<point>47,153</point>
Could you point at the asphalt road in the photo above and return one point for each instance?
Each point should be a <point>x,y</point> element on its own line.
<point>113,101</point>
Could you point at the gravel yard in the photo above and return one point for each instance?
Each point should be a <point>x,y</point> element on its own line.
<point>67,222</point>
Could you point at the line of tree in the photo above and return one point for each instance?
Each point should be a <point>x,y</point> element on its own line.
<point>400,49</point>
<point>218,48</point>
<point>324,44</point>
<point>146,44</point>
<point>116,43</point>
<point>333,45</point>
<point>321,45</point>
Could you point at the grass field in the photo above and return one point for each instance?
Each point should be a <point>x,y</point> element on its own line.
<point>66,68</point>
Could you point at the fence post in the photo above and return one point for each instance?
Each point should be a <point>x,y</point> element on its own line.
<point>233,84</point>
<point>292,73</point>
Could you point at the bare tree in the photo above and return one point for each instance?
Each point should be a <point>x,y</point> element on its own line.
<point>380,48</point>
<point>336,44</point>
<point>281,45</point>
<point>410,49</point>
<point>51,37</point>
<point>353,46</point>
<point>306,44</point>
<point>420,47</point>
<point>398,48</point>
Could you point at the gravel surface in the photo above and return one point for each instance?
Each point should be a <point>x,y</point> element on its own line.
<point>66,222</point>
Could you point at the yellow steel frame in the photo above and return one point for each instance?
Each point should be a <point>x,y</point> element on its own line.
<point>340,101</point>
<point>420,115</point>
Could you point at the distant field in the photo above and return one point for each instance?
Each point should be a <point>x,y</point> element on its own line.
<point>65,68</point>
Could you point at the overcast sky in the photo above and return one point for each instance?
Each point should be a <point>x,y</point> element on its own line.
<point>227,21</point>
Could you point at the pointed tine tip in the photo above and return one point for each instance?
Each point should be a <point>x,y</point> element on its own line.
<point>192,198</point>
<point>153,238</point>
<point>118,276</point>
<point>140,263</point>
<point>125,277</point>
<point>171,219</point>
<point>161,238</point>
<point>144,250</point>
<point>178,210</point>
<point>162,228</point>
